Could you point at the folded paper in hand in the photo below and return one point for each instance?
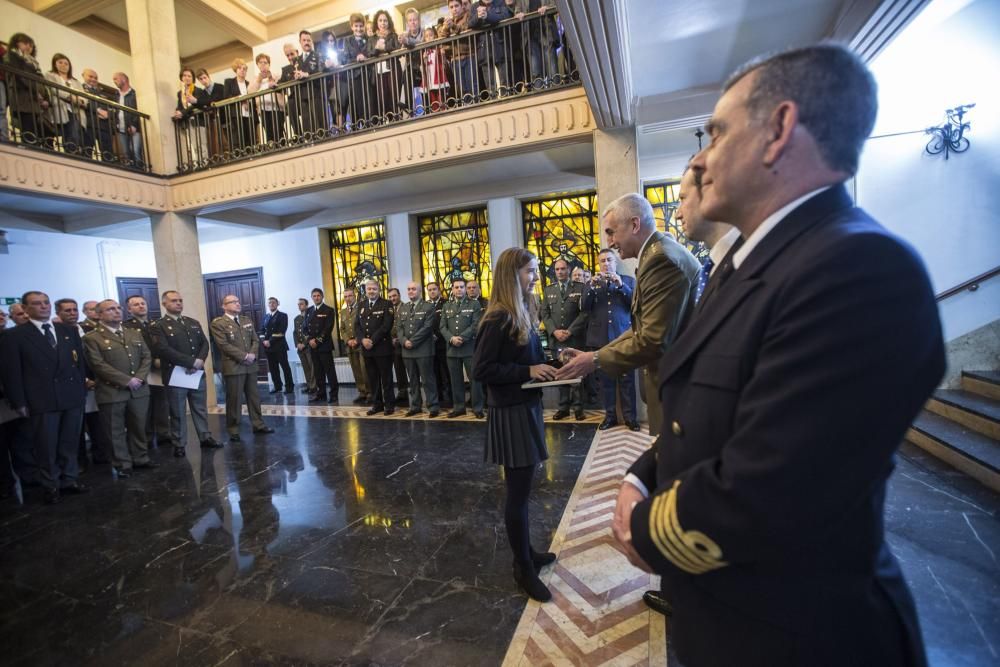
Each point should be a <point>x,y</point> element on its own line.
<point>179,378</point>
<point>552,383</point>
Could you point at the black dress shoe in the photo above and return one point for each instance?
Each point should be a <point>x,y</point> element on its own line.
<point>263,431</point>
<point>333,401</point>
<point>607,423</point>
<point>479,414</point>
<point>180,452</point>
<point>276,390</point>
<point>655,601</point>
<point>234,437</point>
<point>373,411</point>
<point>76,488</point>
<point>146,465</point>
<point>456,413</point>
<point>389,411</point>
<point>210,443</point>
<point>289,391</point>
<point>101,462</point>
<point>52,496</point>
<point>411,412</point>
<point>540,560</point>
<point>318,399</point>
<point>633,426</point>
<point>580,415</point>
<point>527,578</point>
<point>433,413</point>
<point>123,473</point>
<point>359,400</point>
<point>562,414</point>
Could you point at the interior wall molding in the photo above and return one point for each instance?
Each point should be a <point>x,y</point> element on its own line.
<point>495,129</point>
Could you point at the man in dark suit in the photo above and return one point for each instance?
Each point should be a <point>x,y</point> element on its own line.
<point>236,339</point>
<point>566,326</point>
<point>180,343</point>
<point>608,304</point>
<point>402,378</point>
<point>319,334</point>
<point>785,398</point>
<point>214,93</point>
<point>374,329</point>
<point>158,419</point>
<point>44,372</point>
<point>288,74</point>
<point>272,337</point>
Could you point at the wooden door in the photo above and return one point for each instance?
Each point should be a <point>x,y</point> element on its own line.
<point>248,285</point>
<point>144,287</point>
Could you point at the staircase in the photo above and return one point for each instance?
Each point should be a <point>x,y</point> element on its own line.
<point>962,427</point>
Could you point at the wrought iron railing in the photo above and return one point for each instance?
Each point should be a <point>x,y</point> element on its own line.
<point>81,124</point>
<point>513,58</point>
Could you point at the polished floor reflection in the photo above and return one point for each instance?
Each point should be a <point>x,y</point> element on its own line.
<point>332,541</point>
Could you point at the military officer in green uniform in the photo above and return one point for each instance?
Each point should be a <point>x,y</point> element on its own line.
<point>182,347</point>
<point>566,326</point>
<point>158,419</point>
<point>120,362</point>
<point>236,338</point>
<point>348,318</point>
<point>459,321</point>
<point>302,346</point>
<point>415,332</point>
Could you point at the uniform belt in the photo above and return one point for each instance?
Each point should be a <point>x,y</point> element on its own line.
<point>277,335</point>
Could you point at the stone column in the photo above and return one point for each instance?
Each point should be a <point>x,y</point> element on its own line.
<point>152,29</point>
<point>178,267</point>
<point>399,251</point>
<point>506,230</point>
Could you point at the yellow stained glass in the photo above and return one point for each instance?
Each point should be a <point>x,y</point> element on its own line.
<point>562,228</point>
<point>358,253</point>
<point>456,244</point>
<point>664,198</point>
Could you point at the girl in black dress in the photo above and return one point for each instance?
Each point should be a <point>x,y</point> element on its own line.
<point>508,354</point>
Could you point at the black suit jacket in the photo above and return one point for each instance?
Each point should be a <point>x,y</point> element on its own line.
<point>783,403</point>
<point>375,322</point>
<point>40,377</point>
<point>319,325</point>
<point>274,330</point>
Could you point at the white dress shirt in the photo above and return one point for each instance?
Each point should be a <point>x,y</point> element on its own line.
<point>39,324</point>
<point>770,222</point>
<point>721,248</point>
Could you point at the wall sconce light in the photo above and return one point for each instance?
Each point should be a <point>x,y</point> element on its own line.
<point>950,137</point>
<point>699,133</point>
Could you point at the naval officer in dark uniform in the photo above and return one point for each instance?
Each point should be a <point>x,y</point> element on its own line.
<point>272,337</point>
<point>182,347</point>
<point>319,335</point>
<point>374,329</point>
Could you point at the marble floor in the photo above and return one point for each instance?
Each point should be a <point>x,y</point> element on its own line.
<point>380,542</point>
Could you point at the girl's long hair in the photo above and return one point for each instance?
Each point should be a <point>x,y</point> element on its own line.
<point>508,303</point>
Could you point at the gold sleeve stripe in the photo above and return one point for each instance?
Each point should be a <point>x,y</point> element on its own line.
<point>691,551</point>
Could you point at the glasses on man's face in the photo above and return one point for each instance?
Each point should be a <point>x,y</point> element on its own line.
<point>230,303</point>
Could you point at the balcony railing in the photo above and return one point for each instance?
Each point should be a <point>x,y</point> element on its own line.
<point>52,117</point>
<point>344,95</point>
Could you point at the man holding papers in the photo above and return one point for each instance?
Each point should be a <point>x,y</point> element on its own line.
<point>181,345</point>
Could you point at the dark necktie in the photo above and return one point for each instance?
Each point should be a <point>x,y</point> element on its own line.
<point>562,290</point>
<point>706,271</point>
<point>119,333</point>
<point>719,277</point>
<point>49,336</point>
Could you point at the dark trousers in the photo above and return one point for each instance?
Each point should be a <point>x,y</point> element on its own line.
<point>22,450</point>
<point>100,446</point>
<point>278,359</point>
<point>360,102</point>
<point>274,125</point>
<point>197,400</point>
<point>8,433</point>
<point>238,388</point>
<point>158,416</point>
<point>441,374</point>
<point>421,374</point>
<point>380,382</point>
<point>609,384</point>
<point>325,372</point>
<point>305,358</point>
<point>402,379</point>
<point>57,438</point>
<point>455,366</point>
<point>571,397</point>
<point>125,428</point>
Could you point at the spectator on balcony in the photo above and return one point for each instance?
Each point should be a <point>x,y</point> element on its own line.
<point>312,96</point>
<point>435,74</point>
<point>191,133</point>
<point>386,74</point>
<point>215,93</point>
<point>491,47</point>
<point>338,87</point>
<point>98,119</point>
<point>412,37</point>
<point>356,51</point>
<point>240,117</point>
<point>288,74</point>
<point>540,40</point>
<point>463,67</point>
<point>270,108</point>
<point>66,111</point>
<point>128,125</point>
<point>27,99</point>
<point>4,128</point>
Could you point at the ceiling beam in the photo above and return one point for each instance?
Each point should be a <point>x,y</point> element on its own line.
<point>682,104</point>
<point>93,224</point>
<point>67,12</point>
<point>32,222</point>
<point>237,217</point>
<point>104,32</point>
<point>868,26</point>
<point>249,27</point>
<point>218,58</point>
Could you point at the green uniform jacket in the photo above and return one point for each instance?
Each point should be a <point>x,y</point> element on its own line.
<point>298,331</point>
<point>177,343</point>
<point>235,343</point>
<point>664,289</point>
<point>114,361</point>
<point>415,323</point>
<point>345,324</point>
<point>564,312</point>
<point>461,318</point>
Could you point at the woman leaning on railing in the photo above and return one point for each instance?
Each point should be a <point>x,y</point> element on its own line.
<point>28,103</point>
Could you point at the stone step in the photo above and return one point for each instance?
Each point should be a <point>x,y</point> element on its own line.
<point>978,413</point>
<point>984,383</point>
<point>964,449</point>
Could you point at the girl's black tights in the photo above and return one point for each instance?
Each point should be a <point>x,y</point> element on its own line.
<point>516,511</point>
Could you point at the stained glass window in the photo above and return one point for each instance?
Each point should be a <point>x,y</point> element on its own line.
<point>456,244</point>
<point>665,197</point>
<point>358,254</point>
<point>562,228</point>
